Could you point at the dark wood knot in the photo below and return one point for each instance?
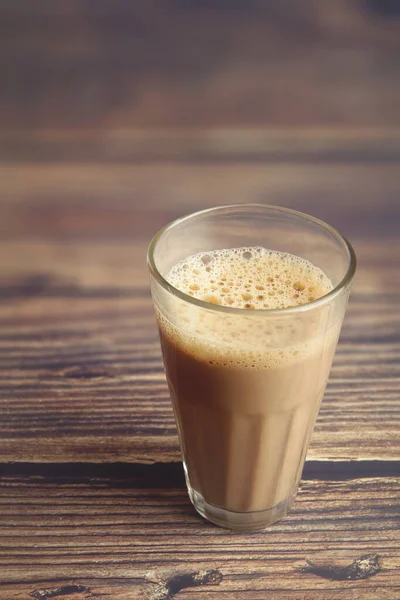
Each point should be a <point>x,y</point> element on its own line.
<point>65,590</point>
<point>361,568</point>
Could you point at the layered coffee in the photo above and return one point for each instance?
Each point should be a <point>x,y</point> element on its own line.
<point>245,387</point>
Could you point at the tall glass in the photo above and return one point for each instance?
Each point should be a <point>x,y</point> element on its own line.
<point>244,429</point>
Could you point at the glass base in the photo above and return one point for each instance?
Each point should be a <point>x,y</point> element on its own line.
<point>239,521</point>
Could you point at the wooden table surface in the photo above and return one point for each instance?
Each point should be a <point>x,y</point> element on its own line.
<point>115,119</point>
<point>93,502</point>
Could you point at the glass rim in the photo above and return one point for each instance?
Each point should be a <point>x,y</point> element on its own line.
<point>319,302</point>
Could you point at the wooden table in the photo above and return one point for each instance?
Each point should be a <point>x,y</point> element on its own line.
<point>93,502</point>
<point>115,118</point>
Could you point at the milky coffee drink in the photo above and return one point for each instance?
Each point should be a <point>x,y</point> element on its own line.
<point>245,391</point>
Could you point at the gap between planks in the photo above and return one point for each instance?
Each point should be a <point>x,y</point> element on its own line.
<point>170,474</point>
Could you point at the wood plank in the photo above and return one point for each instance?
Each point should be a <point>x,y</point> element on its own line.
<point>132,538</point>
<point>69,201</point>
<point>118,147</point>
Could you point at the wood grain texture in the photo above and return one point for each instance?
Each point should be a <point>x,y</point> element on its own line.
<point>80,362</point>
<point>101,536</point>
<point>117,117</point>
<point>92,497</point>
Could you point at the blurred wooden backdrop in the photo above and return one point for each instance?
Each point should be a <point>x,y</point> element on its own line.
<point>78,64</point>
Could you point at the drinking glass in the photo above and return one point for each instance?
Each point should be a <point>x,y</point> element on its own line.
<point>244,426</point>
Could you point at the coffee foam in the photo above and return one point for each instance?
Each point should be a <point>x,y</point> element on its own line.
<point>249,278</point>
<point>245,278</point>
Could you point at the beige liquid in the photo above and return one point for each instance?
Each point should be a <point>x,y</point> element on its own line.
<point>246,389</point>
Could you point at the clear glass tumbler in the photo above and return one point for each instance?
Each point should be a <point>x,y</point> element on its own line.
<point>244,430</point>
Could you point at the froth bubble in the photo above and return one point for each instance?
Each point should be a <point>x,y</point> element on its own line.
<point>206,259</point>
<point>235,278</point>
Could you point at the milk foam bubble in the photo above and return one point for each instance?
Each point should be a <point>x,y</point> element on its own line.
<point>250,278</point>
